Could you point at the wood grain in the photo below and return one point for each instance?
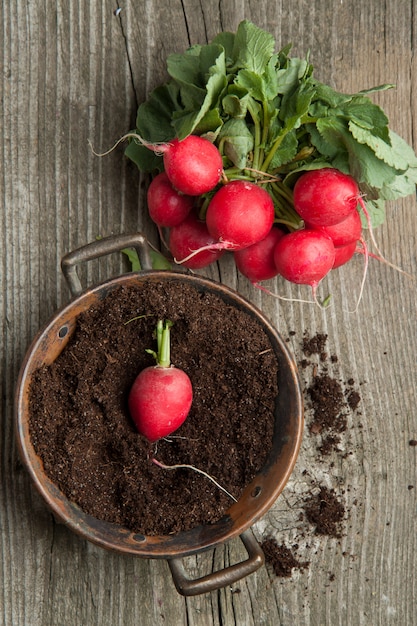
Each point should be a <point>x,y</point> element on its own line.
<point>74,72</point>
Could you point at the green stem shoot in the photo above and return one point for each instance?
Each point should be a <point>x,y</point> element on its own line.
<point>275,146</point>
<point>163,354</point>
<point>257,141</point>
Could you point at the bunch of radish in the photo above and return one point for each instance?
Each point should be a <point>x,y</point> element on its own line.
<point>243,141</point>
<point>239,216</point>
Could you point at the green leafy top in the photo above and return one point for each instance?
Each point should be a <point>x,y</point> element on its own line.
<point>269,115</point>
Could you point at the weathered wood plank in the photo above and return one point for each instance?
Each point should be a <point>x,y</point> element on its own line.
<point>74,72</point>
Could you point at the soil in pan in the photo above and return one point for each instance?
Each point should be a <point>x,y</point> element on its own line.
<point>81,429</point>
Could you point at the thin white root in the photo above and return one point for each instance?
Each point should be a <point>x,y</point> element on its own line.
<point>163,239</point>
<point>224,245</point>
<point>195,469</point>
<point>365,271</point>
<point>157,148</point>
<point>275,295</point>
<point>375,244</point>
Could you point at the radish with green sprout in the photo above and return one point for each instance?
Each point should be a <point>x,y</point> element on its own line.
<point>161,396</point>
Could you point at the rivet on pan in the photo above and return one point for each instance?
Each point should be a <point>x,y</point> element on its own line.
<point>63,332</point>
<point>256,492</point>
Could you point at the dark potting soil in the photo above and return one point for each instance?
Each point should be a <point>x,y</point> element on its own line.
<point>281,558</point>
<point>315,345</point>
<point>81,429</point>
<point>326,512</point>
<point>327,400</point>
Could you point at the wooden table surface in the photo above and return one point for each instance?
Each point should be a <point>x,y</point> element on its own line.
<point>76,71</point>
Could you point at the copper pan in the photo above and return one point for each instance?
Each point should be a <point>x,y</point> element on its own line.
<point>256,499</point>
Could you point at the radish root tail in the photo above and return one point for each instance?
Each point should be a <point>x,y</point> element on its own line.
<point>221,245</point>
<point>159,149</point>
<point>195,469</point>
<point>365,252</point>
<point>374,242</point>
<point>276,295</point>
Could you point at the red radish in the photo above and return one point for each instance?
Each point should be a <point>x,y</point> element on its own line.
<point>344,232</point>
<point>167,207</point>
<point>161,396</point>
<point>194,165</point>
<point>304,257</point>
<point>191,235</point>
<point>257,261</point>
<point>240,214</point>
<point>344,253</point>
<point>325,196</point>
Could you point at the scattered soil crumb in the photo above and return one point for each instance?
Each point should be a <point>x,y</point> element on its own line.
<point>327,400</point>
<point>330,398</point>
<point>315,345</point>
<point>353,400</point>
<point>326,512</point>
<point>281,558</point>
<point>329,444</point>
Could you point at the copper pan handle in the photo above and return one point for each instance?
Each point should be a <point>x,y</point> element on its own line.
<point>102,247</point>
<point>221,578</point>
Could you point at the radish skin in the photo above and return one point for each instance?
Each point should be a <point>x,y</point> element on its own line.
<point>167,207</point>
<point>304,257</point>
<point>257,261</point>
<point>160,400</point>
<point>325,196</point>
<point>194,165</point>
<point>344,232</point>
<point>344,253</point>
<point>191,244</point>
<point>240,214</point>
